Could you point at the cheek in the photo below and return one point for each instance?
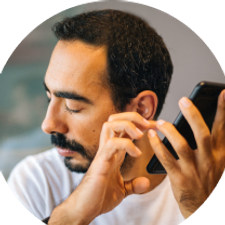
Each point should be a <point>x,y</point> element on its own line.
<point>85,127</point>
<point>87,130</point>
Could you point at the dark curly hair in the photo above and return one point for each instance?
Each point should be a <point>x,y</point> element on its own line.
<point>137,56</point>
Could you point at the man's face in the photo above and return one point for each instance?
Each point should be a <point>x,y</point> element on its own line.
<point>79,101</point>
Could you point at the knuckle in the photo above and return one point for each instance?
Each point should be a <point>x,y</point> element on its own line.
<point>127,145</point>
<point>134,116</point>
<point>105,126</point>
<point>182,146</point>
<point>208,163</point>
<point>111,142</point>
<point>184,149</point>
<point>119,143</point>
<point>127,142</point>
<point>205,138</point>
<point>127,123</point>
<point>111,117</point>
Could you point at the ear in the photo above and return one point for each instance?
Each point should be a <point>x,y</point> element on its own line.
<point>145,104</point>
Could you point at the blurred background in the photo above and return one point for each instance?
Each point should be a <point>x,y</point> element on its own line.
<point>23,100</point>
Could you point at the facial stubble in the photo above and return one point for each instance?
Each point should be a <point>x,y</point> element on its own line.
<point>59,140</point>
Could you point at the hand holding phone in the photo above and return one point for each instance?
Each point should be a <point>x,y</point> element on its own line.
<point>194,176</point>
<point>204,96</point>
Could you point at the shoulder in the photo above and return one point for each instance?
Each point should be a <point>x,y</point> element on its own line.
<point>42,181</point>
<point>37,165</point>
<point>29,180</point>
<point>44,170</point>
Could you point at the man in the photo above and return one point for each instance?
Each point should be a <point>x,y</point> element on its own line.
<point>106,84</point>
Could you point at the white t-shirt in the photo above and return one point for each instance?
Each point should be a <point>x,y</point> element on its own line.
<point>42,182</point>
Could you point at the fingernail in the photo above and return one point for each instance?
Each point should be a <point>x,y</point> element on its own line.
<point>139,131</point>
<point>160,122</point>
<point>185,102</point>
<point>152,133</point>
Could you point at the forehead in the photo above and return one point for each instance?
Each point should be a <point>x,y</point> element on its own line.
<point>77,66</point>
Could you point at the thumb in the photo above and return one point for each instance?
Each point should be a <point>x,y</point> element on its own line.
<point>136,186</point>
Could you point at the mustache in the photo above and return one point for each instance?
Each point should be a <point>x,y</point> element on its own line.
<point>59,140</point>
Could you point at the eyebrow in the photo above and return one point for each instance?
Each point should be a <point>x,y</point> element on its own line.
<point>69,95</point>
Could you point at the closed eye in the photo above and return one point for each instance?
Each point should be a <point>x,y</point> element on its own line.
<point>71,111</point>
<point>66,108</point>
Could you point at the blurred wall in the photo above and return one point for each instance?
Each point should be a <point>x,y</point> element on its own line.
<point>23,101</point>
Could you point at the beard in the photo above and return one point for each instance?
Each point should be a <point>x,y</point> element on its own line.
<point>59,140</point>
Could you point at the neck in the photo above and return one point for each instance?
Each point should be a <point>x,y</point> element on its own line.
<point>136,167</point>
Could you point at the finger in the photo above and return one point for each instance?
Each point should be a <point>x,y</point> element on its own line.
<point>165,157</point>
<point>133,117</point>
<point>200,130</point>
<point>136,186</point>
<point>179,143</point>
<point>119,129</point>
<point>218,129</point>
<point>113,145</point>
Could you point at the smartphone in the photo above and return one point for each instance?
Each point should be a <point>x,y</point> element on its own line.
<point>205,97</point>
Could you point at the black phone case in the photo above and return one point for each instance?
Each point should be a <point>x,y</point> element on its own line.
<point>204,96</point>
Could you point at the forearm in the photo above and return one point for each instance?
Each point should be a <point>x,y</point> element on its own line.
<point>75,209</point>
<point>61,215</point>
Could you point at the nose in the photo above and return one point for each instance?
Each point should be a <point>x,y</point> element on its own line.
<point>54,121</point>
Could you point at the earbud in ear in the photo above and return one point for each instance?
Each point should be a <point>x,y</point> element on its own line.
<point>145,112</point>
